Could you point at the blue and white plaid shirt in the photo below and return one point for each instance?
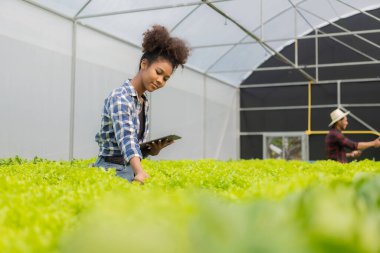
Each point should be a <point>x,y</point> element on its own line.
<point>120,124</point>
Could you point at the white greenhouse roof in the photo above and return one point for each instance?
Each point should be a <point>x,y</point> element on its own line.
<point>220,46</point>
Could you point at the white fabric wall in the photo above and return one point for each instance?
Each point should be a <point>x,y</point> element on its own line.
<point>35,81</point>
<point>201,110</point>
<point>222,116</point>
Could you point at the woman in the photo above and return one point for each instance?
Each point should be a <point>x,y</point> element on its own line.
<point>125,120</point>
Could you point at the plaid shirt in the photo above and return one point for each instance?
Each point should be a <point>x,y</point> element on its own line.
<point>120,124</point>
<point>336,143</point>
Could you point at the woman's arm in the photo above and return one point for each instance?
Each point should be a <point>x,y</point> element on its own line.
<point>140,174</point>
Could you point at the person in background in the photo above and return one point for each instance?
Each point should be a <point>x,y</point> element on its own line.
<point>336,143</point>
<point>125,121</point>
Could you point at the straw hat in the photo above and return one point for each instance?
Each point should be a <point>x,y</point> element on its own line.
<point>337,115</point>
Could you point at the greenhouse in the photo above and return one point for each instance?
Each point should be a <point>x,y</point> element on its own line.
<point>254,108</point>
<point>249,69</point>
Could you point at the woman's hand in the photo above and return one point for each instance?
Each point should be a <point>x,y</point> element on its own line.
<point>155,147</point>
<point>140,177</point>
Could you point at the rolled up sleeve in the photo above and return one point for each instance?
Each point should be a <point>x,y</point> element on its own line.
<point>347,143</point>
<point>124,127</point>
<point>350,144</point>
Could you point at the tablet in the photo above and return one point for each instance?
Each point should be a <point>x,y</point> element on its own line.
<point>171,137</point>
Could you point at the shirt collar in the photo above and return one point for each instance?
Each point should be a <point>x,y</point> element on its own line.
<point>336,130</point>
<point>128,85</point>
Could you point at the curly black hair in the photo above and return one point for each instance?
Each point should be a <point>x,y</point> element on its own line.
<point>157,43</point>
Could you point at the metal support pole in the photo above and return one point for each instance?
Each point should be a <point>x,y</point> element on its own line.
<point>261,20</point>
<point>204,116</point>
<point>73,83</point>
<point>295,39</point>
<point>238,124</point>
<point>316,56</point>
<point>150,115</point>
<point>309,109</point>
<point>224,128</point>
<point>338,93</point>
<point>265,145</point>
<point>72,90</point>
<point>348,132</point>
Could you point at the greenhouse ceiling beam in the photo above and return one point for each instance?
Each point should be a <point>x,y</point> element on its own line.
<point>333,9</point>
<point>331,37</point>
<point>322,65</point>
<point>295,107</point>
<point>231,71</point>
<point>169,6</point>
<point>270,85</point>
<point>311,132</point>
<point>340,27</point>
<point>337,34</point>
<point>48,9</point>
<point>263,44</point>
<point>246,36</point>
<point>357,9</point>
<point>185,17</point>
<point>81,9</point>
<point>359,120</point>
<point>287,133</point>
<point>324,35</point>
